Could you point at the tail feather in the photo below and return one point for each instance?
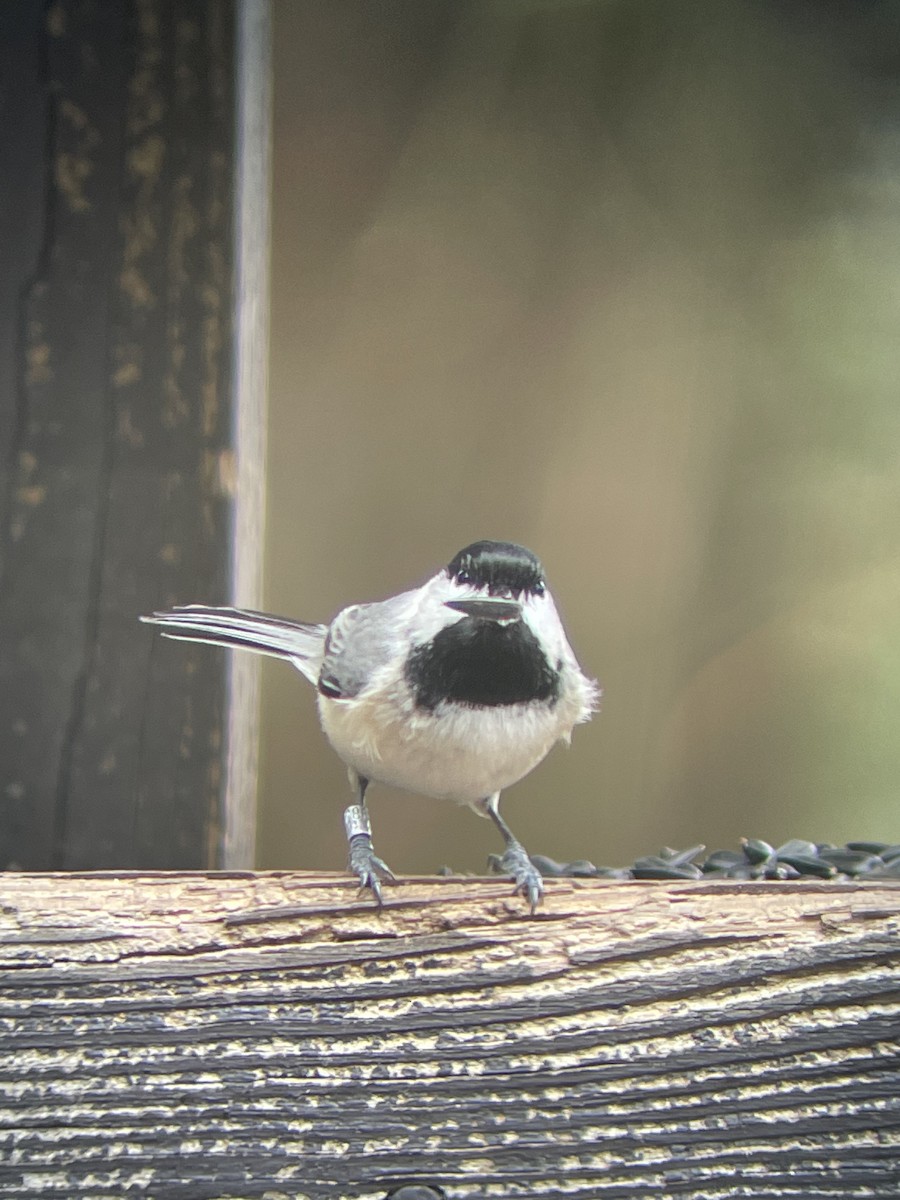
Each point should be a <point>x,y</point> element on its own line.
<point>301,643</point>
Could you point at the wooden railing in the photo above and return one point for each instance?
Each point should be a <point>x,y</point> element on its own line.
<point>200,1035</point>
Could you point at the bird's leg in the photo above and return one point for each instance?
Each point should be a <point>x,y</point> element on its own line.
<point>514,861</point>
<point>364,862</point>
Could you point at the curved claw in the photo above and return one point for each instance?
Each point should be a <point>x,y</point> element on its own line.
<point>368,867</point>
<point>527,878</point>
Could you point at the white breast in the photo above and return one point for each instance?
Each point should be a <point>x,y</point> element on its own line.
<point>456,752</point>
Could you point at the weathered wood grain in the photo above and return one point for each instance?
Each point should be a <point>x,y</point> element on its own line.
<point>117,480</point>
<point>273,1035</point>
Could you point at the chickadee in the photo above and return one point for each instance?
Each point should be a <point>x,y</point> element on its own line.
<point>455,689</point>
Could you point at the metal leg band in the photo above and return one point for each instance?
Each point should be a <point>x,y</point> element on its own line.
<point>356,822</point>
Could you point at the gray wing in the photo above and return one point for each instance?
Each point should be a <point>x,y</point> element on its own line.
<point>300,643</point>
<point>361,640</point>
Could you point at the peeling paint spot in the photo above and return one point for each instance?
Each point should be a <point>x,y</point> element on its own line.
<point>38,364</point>
<point>27,461</point>
<point>72,168</point>
<point>136,288</point>
<point>227,473</point>
<point>108,763</point>
<point>170,554</point>
<point>146,159</point>
<point>128,373</point>
<point>56,20</point>
<point>70,172</point>
<point>127,431</point>
<point>15,790</point>
<point>19,727</point>
<point>33,495</point>
<point>141,239</point>
<point>176,409</point>
<point>210,473</point>
<point>77,118</point>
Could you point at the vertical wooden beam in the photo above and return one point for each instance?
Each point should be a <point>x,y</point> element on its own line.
<point>23,134</point>
<point>251,342</point>
<point>121,463</point>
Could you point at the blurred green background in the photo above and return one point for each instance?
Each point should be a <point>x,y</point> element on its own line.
<point>619,280</point>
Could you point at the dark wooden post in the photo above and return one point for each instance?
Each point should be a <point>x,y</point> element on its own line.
<point>192,1036</point>
<point>116,412</point>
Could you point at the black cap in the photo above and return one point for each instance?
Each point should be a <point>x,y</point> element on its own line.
<point>499,567</point>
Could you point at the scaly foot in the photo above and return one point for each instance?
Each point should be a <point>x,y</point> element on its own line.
<point>515,862</point>
<point>369,868</point>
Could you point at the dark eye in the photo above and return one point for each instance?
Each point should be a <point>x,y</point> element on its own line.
<point>463,576</point>
<point>539,588</point>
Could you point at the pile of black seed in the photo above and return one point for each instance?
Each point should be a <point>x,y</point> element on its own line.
<point>756,859</point>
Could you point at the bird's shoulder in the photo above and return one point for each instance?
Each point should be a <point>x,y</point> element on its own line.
<point>361,640</point>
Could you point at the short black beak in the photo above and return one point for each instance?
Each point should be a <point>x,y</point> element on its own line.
<point>504,612</point>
